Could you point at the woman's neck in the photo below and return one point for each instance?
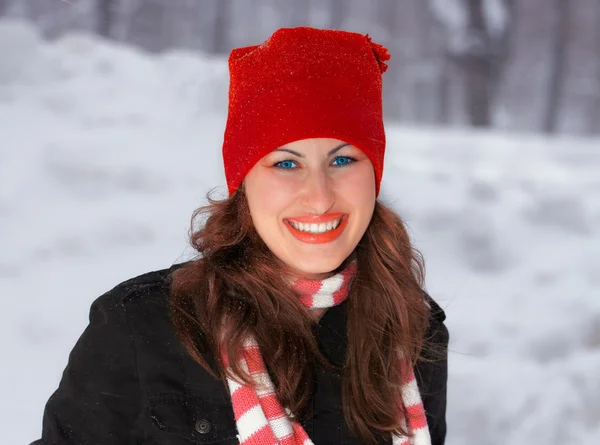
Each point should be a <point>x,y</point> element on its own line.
<point>317,314</point>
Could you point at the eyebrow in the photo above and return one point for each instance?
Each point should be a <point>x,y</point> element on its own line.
<point>331,152</point>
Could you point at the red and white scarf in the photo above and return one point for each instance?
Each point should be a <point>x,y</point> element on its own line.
<point>260,418</point>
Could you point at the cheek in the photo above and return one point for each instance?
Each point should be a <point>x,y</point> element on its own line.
<point>268,197</point>
<point>358,188</point>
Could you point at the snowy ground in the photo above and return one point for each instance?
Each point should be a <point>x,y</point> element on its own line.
<point>105,152</point>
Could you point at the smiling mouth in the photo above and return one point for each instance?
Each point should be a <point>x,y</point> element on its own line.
<point>315,228</point>
<point>317,232</point>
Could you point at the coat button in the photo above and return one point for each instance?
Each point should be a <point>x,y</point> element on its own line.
<point>203,426</point>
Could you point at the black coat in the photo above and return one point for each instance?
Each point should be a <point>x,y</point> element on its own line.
<point>130,381</point>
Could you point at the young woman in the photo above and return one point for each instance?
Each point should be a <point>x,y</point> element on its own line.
<point>303,320</point>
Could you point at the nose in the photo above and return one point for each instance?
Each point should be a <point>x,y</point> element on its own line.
<point>317,194</point>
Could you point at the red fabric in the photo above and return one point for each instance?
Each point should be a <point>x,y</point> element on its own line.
<point>304,83</point>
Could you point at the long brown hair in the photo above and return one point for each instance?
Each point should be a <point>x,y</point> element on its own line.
<point>237,287</point>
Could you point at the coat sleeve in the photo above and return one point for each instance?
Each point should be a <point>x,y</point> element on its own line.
<point>432,374</point>
<point>97,398</point>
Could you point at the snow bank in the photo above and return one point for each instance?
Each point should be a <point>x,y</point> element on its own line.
<point>106,151</point>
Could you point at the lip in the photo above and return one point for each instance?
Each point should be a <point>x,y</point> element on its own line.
<point>318,238</point>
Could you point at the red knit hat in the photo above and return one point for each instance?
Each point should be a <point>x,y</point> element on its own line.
<point>304,83</point>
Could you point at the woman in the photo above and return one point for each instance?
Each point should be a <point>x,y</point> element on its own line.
<point>303,320</point>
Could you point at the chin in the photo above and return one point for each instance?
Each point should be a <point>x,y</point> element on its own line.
<point>321,266</point>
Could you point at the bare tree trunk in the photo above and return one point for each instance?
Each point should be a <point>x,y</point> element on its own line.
<point>222,25</point>
<point>337,13</point>
<point>478,68</point>
<point>427,52</point>
<point>187,18</point>
<point>503,45</point>
<point>443,96</point>
<point>483,61</point>
<point>106,10</point>
<point>437,49</point>
<point>387,17</point>
<point>557,68</point>
<point>147,26</point>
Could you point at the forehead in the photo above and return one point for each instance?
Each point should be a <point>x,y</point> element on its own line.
<point>316,145</point>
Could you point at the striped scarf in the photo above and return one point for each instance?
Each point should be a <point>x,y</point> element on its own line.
<point>260,418</point>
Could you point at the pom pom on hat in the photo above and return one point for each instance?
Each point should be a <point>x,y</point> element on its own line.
<point>304,83</point>
<point>381,54</point>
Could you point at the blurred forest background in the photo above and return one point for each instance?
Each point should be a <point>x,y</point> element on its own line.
<point>517,65</point>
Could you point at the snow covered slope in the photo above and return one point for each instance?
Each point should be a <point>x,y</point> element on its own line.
<point>105,152</point>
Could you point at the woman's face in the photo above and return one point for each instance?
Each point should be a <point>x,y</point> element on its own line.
<point>311,202</point>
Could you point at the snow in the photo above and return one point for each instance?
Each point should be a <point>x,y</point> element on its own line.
<point>106,152</point>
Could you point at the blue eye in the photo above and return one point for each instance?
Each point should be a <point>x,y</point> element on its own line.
<point>342,161</point>
<point>285,165</point>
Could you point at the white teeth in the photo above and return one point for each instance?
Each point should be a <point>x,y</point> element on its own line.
<point>315,228</point>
